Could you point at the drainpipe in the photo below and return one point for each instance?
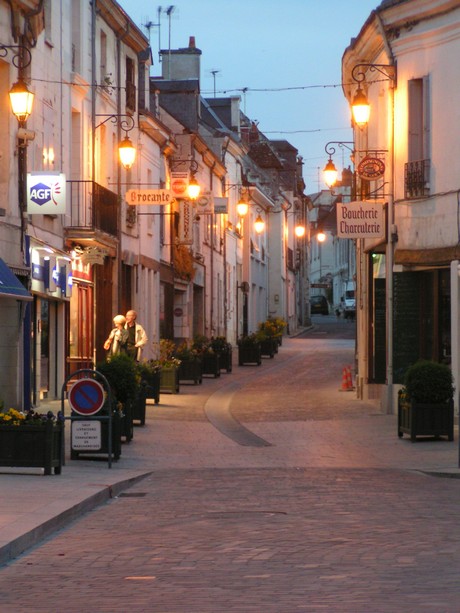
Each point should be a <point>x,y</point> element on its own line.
<point>389,254</point>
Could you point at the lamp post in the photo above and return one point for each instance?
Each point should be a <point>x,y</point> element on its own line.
<point>21,100</point>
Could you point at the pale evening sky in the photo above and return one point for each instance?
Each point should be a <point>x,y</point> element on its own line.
<point>287,54</point>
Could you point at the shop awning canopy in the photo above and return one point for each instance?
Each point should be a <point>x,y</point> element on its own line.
<point>10,286</point>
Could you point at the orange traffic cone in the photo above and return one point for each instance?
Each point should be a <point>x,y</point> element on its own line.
<point>344,387</point>
<point>349,379</point>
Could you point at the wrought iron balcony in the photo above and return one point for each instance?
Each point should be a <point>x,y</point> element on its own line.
<point>417,179</point>
<point>93,208</point>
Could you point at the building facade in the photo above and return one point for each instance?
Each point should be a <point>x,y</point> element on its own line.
<point>408,281</point>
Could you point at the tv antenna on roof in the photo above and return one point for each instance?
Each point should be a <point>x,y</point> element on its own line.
<point>214,72</point>
<point>150,24</point>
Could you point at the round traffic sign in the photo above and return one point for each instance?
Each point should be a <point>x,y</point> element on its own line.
<point>86,397</point>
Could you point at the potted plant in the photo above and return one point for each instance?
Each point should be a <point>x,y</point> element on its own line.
<point>168,364</point>
<point>425,403</point>
<point>190,363</point>
<point>120,372</point>
<point>249,350</point>
<point>210,360</point>
<point>148,373</point>
<point>223,348</point>
<point>31,439</point>
<point>268,343</point>
<point>273,329</point>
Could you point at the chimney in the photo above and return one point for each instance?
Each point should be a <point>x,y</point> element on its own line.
<point>180,64</point>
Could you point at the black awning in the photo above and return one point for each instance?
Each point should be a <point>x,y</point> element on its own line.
<point>10,286</point>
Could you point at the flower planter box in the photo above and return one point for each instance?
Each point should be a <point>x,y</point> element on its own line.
<point>268,348</point>
<point>152,387</point>
<point>190,370</point>
<point>169,380</point>
<point>36,446</point>
<point>210,364</point>
<point>225,360</point>
<point>418,419</point>
<point>139,404</point>
<point>249,354</point>
<point>126,422</point>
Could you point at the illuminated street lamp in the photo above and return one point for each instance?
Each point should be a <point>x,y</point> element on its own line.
<point>259,225</point>
<point>299,230</point>
<point>127,153</point>
<point>21,100</point>
<point>360,107</point>
<point>193,188</point>
<point>330,173</point>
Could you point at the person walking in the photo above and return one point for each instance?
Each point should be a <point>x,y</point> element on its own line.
<point>118,338</point>
<point>137,337</point>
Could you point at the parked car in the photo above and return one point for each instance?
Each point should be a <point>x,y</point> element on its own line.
<point>319,305</point>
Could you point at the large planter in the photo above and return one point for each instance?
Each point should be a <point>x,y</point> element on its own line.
<point>35,446</point>
<point>249,354</point>
<point>268,347</point>
<point>190,370</point>
<point>169,380</point>
<point>210,364</point>
<point>225,360</point>
<point>153,386</point>
<point>139,404</point>
<point>127,416</point>
<point>419,419</point>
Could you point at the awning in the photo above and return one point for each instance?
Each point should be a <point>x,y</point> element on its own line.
<point>10,286</point>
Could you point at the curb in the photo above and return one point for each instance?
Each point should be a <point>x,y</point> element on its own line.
<point>34,536</point>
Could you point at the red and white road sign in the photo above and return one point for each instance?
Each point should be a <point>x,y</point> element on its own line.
<point>86,397</point>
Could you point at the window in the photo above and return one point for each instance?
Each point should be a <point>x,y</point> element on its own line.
<point>130,85</point>
<point>103,65</point>
<point>417,169</point>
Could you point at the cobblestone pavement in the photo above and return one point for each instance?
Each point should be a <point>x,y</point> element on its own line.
<point>245,540</point>
<point>334,514</point>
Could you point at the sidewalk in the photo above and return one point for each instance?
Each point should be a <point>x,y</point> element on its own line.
<point>196,429</point>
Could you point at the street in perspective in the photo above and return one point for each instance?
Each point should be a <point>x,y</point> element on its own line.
<point>268,489</point>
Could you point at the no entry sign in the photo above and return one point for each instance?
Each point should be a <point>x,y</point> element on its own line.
<point>86,397</point>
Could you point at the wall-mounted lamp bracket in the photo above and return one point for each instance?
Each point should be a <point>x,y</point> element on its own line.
<point>387,70</point>
<point>126,124</point>
<point>21,56</point>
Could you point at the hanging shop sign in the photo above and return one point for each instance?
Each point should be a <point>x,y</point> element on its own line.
<point>204,204</point>
<point>136,197</point>
<point>179,184</point>
<point>46,193</point>
<point>360,220</point>
<point>371,168</point>
<point>220,205</point>
<point>186,223</point>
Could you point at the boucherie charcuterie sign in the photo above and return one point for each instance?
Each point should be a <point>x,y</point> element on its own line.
<point>360,220</point>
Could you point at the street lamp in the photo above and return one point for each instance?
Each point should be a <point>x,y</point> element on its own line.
<point>126,149</point>
<point>360,106</point>
<point>330,171</point>
<point>21,100</point>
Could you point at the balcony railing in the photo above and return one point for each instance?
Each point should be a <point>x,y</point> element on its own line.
<point>93,207</point>
<point>417,179</point>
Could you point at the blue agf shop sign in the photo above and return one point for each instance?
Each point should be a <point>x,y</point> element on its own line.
<point>46,193</point>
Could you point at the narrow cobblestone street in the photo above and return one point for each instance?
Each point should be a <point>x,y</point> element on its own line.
<point>332,513</point>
